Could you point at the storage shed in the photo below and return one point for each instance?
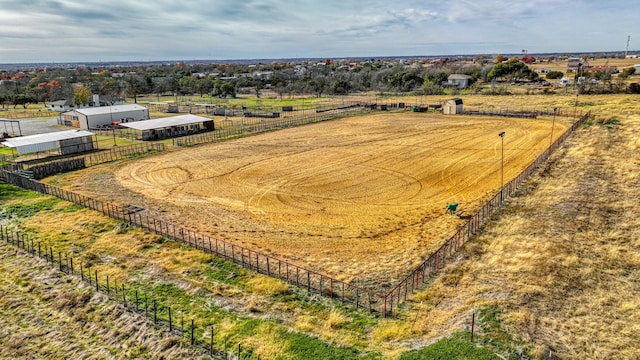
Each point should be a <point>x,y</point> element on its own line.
<point>453,106</point>
<point>163,128</point>
<point>65,142</point>
<point>92,118</point>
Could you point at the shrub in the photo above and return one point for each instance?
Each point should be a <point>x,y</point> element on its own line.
<point>555,74</point>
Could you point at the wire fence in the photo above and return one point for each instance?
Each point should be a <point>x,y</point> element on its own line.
<point>104,156</point>
<point>439,259</point>
<point>27,114</point>
<point>254,125</point>
<point>312,281</point>
<point>192,330</point>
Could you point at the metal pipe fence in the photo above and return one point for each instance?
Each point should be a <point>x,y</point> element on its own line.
<point>312,281</point>
<point>439,259</point>
<point>252,125</point>
<point>104,156</point>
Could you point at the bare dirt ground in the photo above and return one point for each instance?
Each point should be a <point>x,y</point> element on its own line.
<point>361,199</point>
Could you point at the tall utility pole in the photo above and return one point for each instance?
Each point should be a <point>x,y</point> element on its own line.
<point>501,134</point>
<point>628,40</point>
<point>553,125</point>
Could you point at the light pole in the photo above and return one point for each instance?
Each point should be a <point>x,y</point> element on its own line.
<point>501,134</point>
<point>553,124</point>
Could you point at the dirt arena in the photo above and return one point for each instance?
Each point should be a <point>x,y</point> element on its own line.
<point>361,199</point>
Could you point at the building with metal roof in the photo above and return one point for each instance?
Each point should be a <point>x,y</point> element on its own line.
<point>168,127</point>
<point>96,117</point>
<point>65,142</point>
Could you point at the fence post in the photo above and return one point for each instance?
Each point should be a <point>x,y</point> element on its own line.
<point>211,343</point>
<point>192,333</point>
<point>97,286</point>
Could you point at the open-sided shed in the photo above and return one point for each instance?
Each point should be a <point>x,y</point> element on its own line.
<point>168,127</point>
<point>66,142</point>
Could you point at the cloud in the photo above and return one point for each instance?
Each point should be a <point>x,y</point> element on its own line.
<point>73,30</point>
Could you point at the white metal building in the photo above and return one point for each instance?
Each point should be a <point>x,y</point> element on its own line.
<point>66,142</point>
<point>91,118</point>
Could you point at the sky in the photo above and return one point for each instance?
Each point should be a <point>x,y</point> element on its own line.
<point>33,31</point>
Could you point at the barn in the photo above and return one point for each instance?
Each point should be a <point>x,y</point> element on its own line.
<point>453,106</point>
<point>65,142</point>
<point>91,118</point>
<point>168,127</point>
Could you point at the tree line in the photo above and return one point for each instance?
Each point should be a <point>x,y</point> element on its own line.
<point>77,85</point>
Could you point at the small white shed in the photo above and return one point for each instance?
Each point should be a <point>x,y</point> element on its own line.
<point>453,106</point>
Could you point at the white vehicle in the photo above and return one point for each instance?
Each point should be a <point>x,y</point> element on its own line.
<point>565,81</point>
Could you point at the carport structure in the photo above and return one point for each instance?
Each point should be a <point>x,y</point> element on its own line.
<point>65,142</point>
<point>7,128</point>
<point>163,128</point>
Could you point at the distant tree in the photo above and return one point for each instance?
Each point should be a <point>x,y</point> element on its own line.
<point>340,87</point>
<point>204,85</point>
<point>627,72</point>
<point>187,85</point>
<point>135,86</point>
<point>81,95</point>
<point>512,70</point>
<point>554,74</point>
<point>223,89</point>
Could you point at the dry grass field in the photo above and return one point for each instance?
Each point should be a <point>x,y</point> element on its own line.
<point>360,199</point>
<point>49,316</point>
<point>559,264</point>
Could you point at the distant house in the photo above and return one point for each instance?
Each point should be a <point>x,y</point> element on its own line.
<point>576,64</point>
<point>91,118</point>
<point>460,81</point>
<point>60,105</point>
<point>453,106</point>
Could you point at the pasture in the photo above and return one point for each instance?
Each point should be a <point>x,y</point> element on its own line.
<point>360,199</point>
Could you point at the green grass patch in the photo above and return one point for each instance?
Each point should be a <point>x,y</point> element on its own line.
<point>27,210</point>
<point>11,192</point>
<point>224,272</point>
<point>303,347</point>
<point>457,347</point>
